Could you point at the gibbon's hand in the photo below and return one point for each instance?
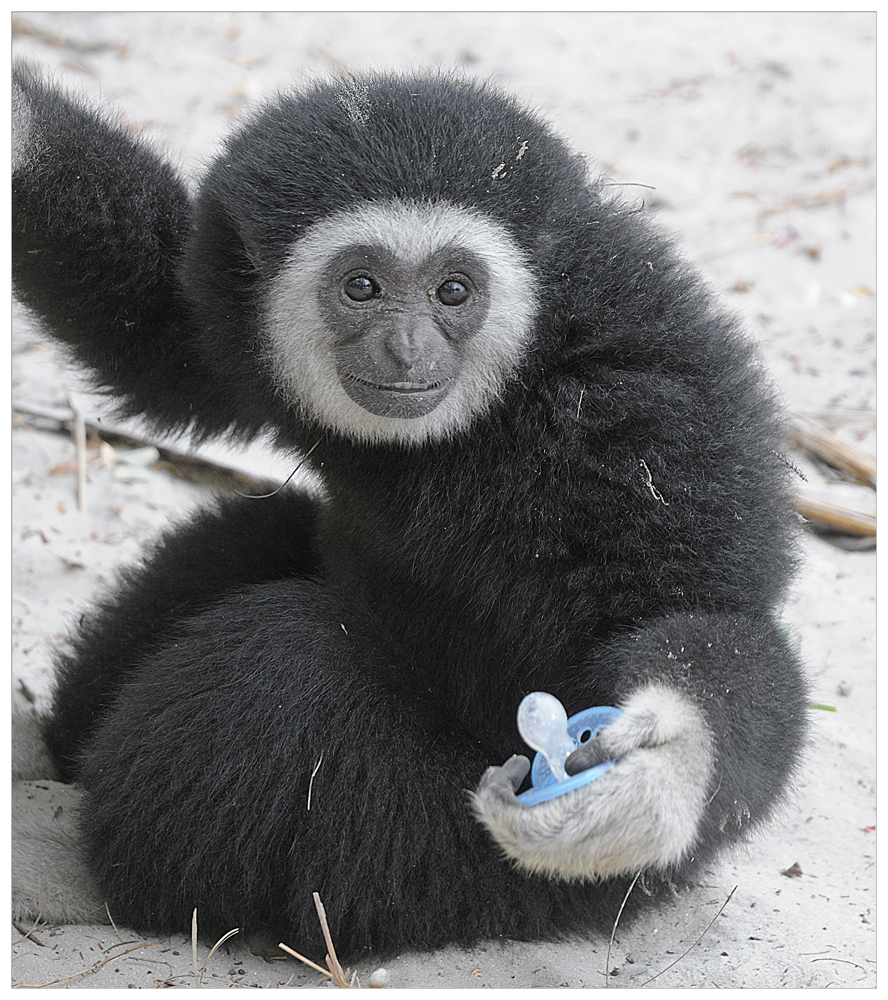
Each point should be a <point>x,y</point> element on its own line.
<point>644,813</point>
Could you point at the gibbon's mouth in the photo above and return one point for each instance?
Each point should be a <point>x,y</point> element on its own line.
<point>408,387</point>
<point>402,399</point>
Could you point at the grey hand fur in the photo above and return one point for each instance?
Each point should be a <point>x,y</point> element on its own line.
<point>644,812</point>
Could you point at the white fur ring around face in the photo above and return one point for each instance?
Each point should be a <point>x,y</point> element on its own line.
<point>545,727</point>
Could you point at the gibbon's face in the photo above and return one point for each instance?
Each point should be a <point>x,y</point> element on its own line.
<point>399,322</point>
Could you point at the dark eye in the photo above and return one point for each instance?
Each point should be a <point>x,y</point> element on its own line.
<point>361,288</point>
<point>452,293</point>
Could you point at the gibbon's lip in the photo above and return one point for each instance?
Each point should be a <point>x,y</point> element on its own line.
<point>398,387</point>
<point>404,400</point>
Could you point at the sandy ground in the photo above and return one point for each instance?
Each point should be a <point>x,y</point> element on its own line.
<point>757,133</point>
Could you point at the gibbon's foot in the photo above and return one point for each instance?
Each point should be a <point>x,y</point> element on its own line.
<point>644,813</point>
<point>50,880</point>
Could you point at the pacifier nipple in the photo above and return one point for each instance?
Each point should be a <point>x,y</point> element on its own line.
<point>542,723</point>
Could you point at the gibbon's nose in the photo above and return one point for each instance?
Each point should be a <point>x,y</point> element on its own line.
<point>406,346</point>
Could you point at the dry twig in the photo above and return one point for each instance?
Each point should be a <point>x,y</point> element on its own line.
<point>29,934</point>
<point>694,945</point>
<point>812,437</point>
<point>814,199</point>
<point>212,951</point>
<point>614,930</point>
<point>334,970</point>
<point>98,965</point>
<point>80,447</point>
<point>831,515</point>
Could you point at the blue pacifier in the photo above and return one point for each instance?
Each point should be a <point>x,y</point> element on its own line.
<point>545,727</point>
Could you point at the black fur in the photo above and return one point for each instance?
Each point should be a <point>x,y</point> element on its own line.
<point>620,502</point>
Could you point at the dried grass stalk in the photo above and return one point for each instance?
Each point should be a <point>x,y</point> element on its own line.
<point>830,515</point>
<point>812,437</point>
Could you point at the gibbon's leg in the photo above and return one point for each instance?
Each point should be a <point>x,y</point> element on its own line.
<point>237,541</point>
<point>276,746</point>
<point>279,746</point>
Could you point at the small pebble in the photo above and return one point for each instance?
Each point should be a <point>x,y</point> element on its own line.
<point>380,977</point>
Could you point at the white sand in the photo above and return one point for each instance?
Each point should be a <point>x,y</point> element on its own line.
<point>757,132</point>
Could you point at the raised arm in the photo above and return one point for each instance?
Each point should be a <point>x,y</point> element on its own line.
<point>99,222</point>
